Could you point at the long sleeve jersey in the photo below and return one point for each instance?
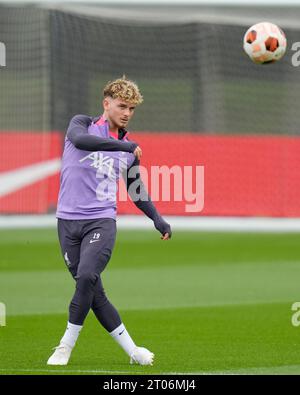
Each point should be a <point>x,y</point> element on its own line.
<point>92,164</point>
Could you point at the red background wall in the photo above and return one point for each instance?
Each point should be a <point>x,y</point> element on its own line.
<point>244,175</point>
<point>22,149</point>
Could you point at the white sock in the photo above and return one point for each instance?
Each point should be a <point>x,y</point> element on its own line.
<point>122,337</point>
<point>71,334</point>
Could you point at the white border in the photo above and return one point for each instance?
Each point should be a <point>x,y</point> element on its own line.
<point>157,2</point>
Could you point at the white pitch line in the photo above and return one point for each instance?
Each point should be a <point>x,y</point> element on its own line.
<point>251,370</point>
<point>107,371</point>
<point>67,371</point>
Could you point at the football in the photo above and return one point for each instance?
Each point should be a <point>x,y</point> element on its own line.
<point>265,43</point>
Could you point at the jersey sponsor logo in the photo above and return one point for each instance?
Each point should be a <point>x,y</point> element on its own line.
<point>108,172</point>
<point>107,188</point>
<point>101,162</point>
<point>105,164</point>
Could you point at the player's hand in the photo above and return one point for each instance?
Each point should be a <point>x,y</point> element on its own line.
<point>166,236</point>
<point>138,152</point>
<point>163,227</point>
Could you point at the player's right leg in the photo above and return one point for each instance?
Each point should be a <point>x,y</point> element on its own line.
<point>70,245</point>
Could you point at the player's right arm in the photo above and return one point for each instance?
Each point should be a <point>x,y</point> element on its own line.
<point>78,134</point>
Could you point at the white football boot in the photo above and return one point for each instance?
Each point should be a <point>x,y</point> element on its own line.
<point>142,356</point>
<point>61,355</point>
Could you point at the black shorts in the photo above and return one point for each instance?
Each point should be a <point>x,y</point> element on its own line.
<point>86,245</point>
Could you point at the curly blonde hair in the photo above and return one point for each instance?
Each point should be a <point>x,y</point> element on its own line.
<point>124,89</point>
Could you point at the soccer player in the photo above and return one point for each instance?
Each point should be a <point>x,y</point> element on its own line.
<point>96,152</point>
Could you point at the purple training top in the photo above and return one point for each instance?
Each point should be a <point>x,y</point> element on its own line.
<point>88,181</point>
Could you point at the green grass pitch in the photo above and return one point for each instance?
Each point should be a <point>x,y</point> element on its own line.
<point>204,303</point>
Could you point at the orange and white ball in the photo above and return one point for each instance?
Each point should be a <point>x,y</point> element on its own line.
<point>265,43</point>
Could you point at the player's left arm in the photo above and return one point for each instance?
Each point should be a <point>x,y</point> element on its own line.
<point>142,200</point>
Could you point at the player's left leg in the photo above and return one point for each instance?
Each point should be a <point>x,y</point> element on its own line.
<point>96,250</point>
<point>110,319</point>
<point>104,311</point>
